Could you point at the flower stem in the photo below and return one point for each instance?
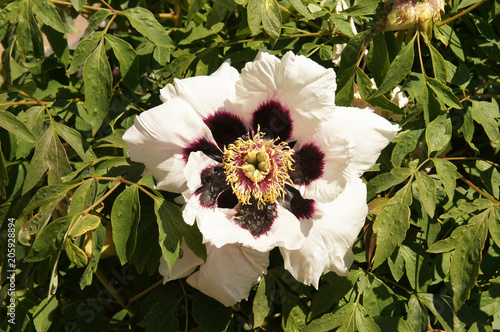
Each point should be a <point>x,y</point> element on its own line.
<point>186,305</point>
<point>118,182</point>
<point>138,296</point>
<point>482,193</point>
<point>461,13</point>
<point>117,296</point>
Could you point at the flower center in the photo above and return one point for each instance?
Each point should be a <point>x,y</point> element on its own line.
<point>257,169</point>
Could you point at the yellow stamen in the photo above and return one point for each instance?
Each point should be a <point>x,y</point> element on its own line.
<point>264,163</point>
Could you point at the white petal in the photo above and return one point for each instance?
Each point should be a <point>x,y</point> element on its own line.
<point>303,86</point>
<point>205,94</point>
<point>331,235</point>
<point>218,229</point>
<point>197,162</point>
<point>368,132</point>
<point>158,138</point>
<point>183,267</point>
<point>230,273</point>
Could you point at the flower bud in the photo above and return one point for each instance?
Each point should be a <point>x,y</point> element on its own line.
<point>407,14</point>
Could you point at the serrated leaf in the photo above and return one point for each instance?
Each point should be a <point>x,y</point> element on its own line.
<point>84,224</point>
<point>127,58</point>
<point>48,14</point>
<point>261,303</point>
<point>125,216</point>
<point>444,93</point>
<point>97,79</point>
<point>10,122</point>
<point>95,20</point>
<point>438,133</point>
<point>44,314</point>
<point>391,224</point>
<point>76,255</point>
<point>448,175</point>
<point>466,259</point>
<point>427,190</point>
<point>398,70</point>
<point>49,240</point>
<point>147,25</point>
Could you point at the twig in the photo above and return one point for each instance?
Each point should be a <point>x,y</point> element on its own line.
<point>461,13</point>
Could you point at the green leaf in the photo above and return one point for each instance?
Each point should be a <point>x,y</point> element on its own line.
<point>396,264</point>
<point>427,189</point>
<point>448,36</point>
<point>125,216</point>
<point>417,269</point>
<point>44,314</point>
<point>442,308</point>
<point>362,8</point>
<point>83,197</point>
<point>391,224</point>
<point>194,7</point>
<point>84,224</point>
<point>448,175</point>
<point>162,316</point>
<point>48,14</point>
<point>76,255</point>
<point>345,96</point>
<point>210,314</point>
<point>29,38</point>
<point>438,64</point>
<point>450,243</point>
<point>494,225</point>
<point>98,239</point>
<point>83,50</point>
<point>466,259</point>
<point>170,238</point>
<point>438,133</point>
<point>295,320</point>
<point>444,93</point>
<point>364,322</point>
<point>261,302</point>
<point>75,140</point>
<point>488,115</point>
<point>297,4</point>
<point>127,57</point>
<point>386,323</point>
<point>49,240</point>
<point>78,4</point>
<point>95,20</point>
<point>10,122</point>
<point>147,25</point>
<point>378,298</point>
<point>330,321</point>
<point>4,178</point>
<point>387,180</point>
<point>49,154</point>
<point>267,12</point>
<point>406,142</point>
<point>98,81</point>
<point>325,52</point>
<point>398,70</point>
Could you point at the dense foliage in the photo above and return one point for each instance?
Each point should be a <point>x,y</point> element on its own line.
<point>90,229</point>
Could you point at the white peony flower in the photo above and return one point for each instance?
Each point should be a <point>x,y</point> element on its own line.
<point>263,159</point>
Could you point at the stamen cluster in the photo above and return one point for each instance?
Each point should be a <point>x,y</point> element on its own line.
<point>257,169</point>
